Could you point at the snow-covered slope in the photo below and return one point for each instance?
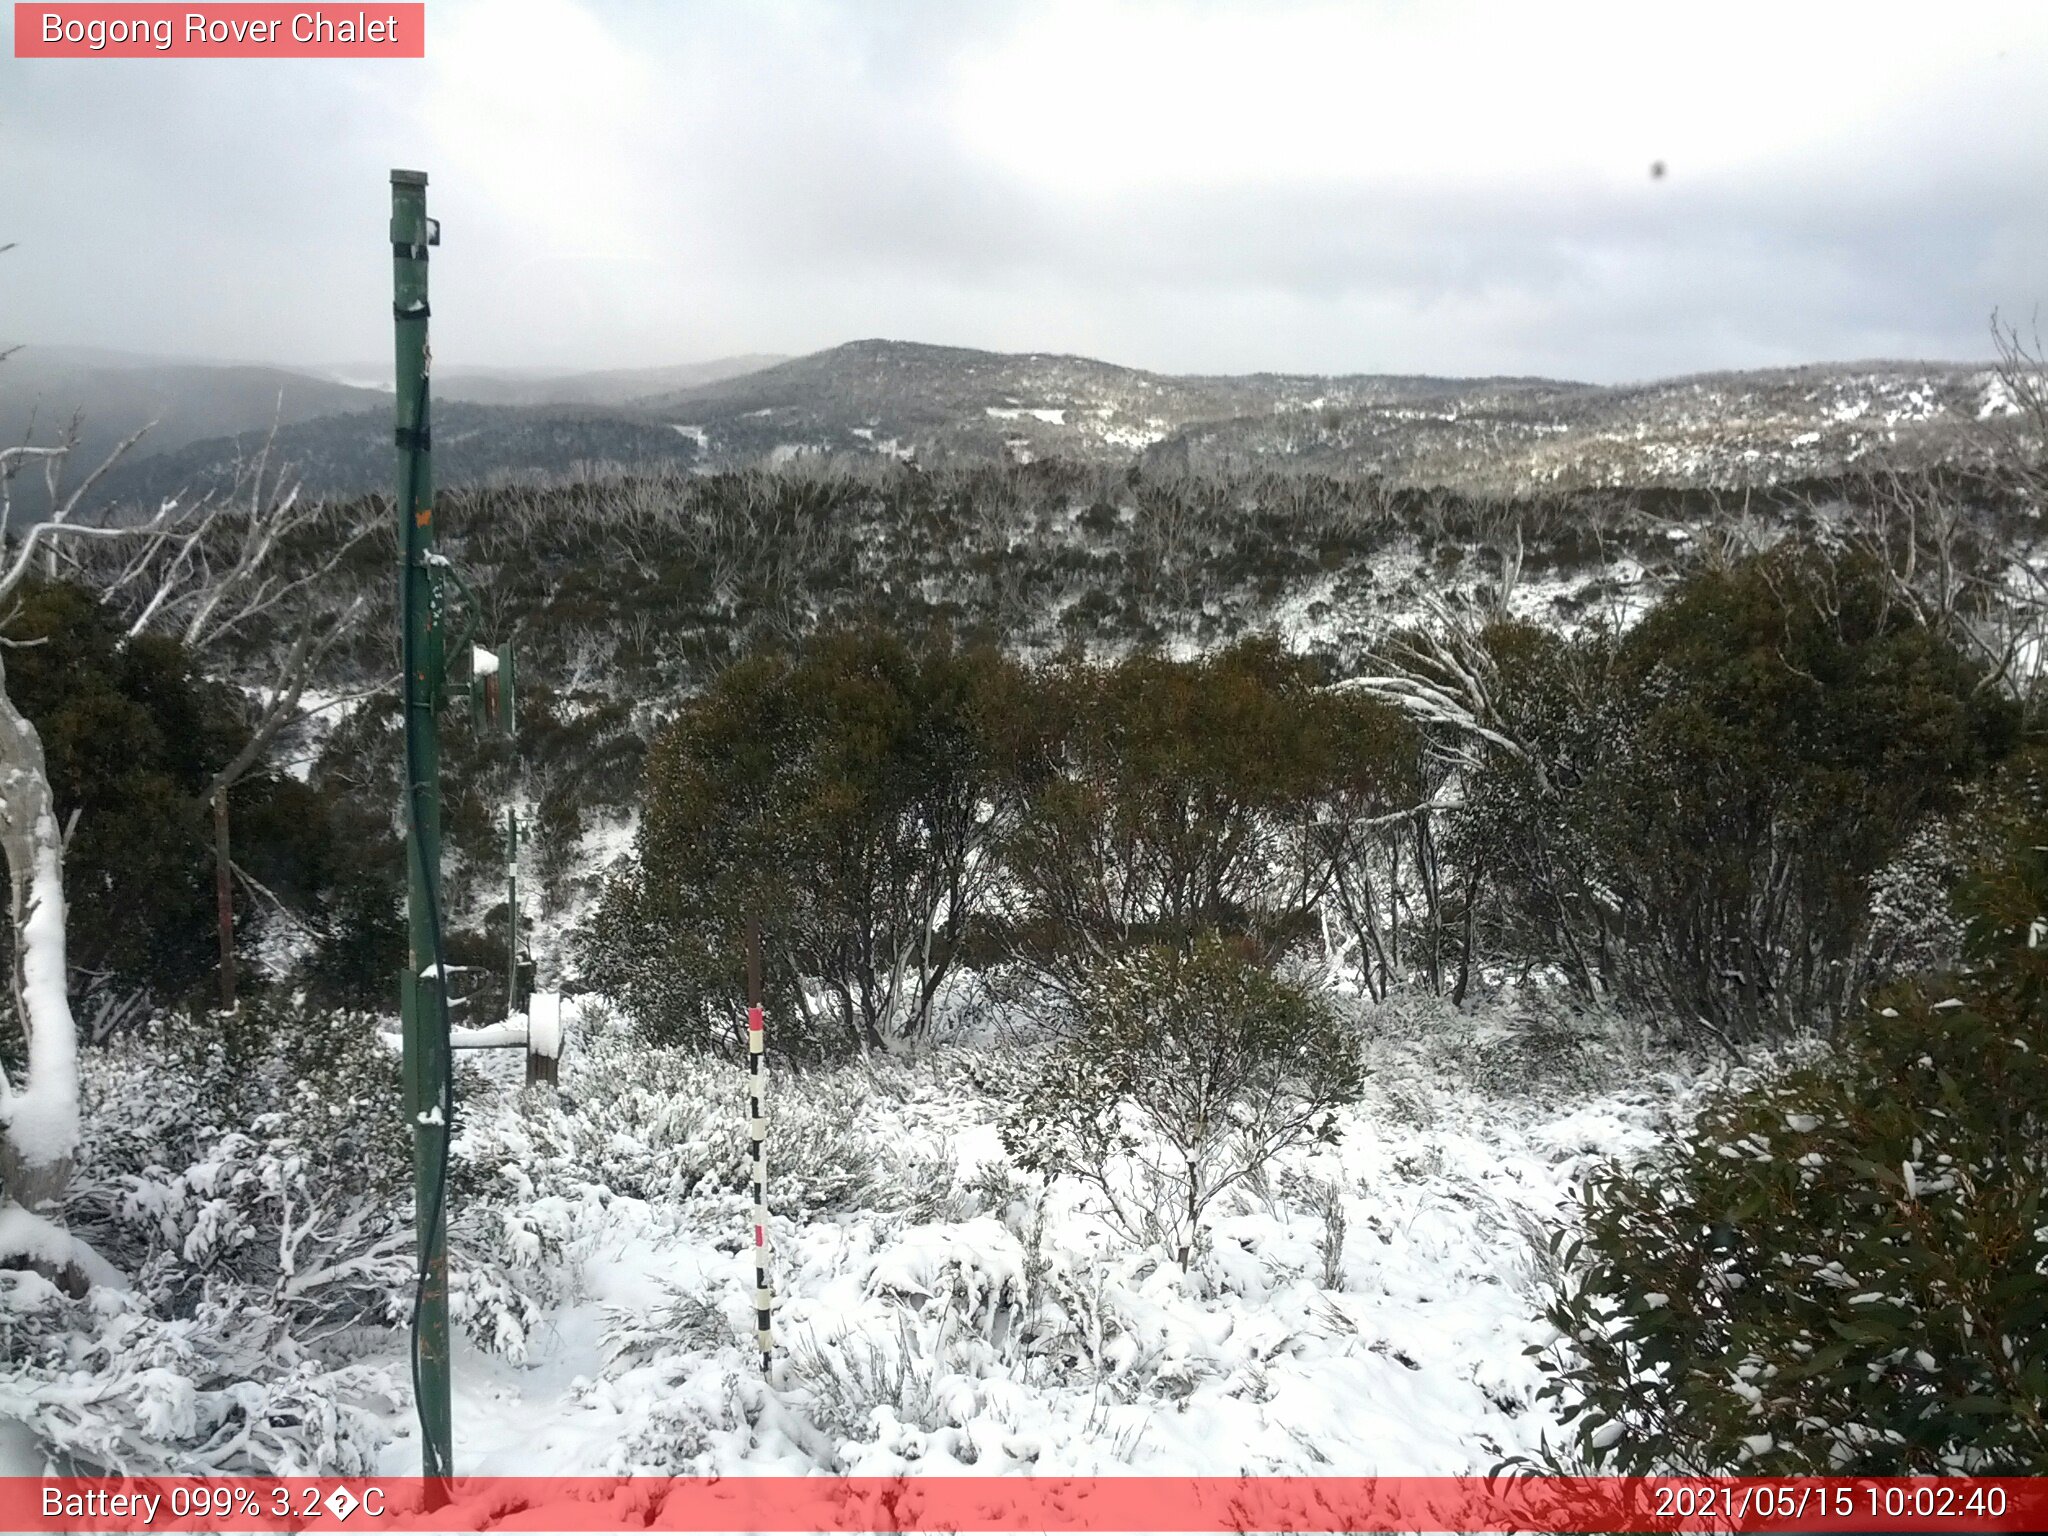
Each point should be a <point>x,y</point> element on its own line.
<point>944,1313</point>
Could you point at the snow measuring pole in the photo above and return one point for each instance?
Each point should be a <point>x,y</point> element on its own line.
<point>757,1136</point>
<point>423,999</point>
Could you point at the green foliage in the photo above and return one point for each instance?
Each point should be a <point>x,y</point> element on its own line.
<point>334,862</point>
<point>869,801</point>
<point>841,797</point>
<point>1198,1067</point>
<point>344,866</point>
<point>1182,798</point>
<point>1701,806</point>
<point>363,948</point>
<point>1528,822</point>
<point>1841,1268</point>
<point>130,734</point>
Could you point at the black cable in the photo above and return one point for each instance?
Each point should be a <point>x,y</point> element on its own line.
<point>436,1214</point>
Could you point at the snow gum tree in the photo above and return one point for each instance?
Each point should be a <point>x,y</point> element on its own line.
<point>1177,799</point>
<point>39,1119</point>
<point>1688,817</point>
<point>847,797</point>
<point>39,1115</point>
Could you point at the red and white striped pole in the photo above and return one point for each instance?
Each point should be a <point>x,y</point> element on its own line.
<point>757,1133</point>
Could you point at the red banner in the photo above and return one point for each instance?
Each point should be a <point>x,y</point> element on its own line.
<point>1135,1504</point>
<point>243,31</point>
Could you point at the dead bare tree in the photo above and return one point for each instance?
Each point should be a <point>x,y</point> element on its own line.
<point>165,573</point>
<point>2022,376</point>
<point>1733,532</point>
<point>1445,677</point>
<point>39,1115</point>
<point>1501,530</point>
<point>1167,543</point>
<point>1979,584</point>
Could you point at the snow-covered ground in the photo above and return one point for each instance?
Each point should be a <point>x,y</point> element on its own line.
<point>938,1311</point>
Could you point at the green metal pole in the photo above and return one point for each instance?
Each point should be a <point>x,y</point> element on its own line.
<point>424,1010</point>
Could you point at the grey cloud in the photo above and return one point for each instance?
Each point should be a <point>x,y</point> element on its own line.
<point>794,179</point>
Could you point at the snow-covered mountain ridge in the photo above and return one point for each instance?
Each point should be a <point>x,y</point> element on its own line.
<point>1496,433</point>
<point>937,406</point>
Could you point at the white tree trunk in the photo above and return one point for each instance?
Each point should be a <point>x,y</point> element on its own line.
<point>38,1119</point>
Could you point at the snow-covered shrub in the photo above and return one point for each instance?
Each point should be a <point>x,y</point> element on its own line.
<point>637,1121</point>
<point>970,1271</point>
<point>265,1152</point>
<point>507,1267</point>
<point>863,1384</point>
<point>248,1175</point>
<point>659,1123</point>
<point>1325,1199</point>
<point>1532,1040</point>
<point>107,1384</point>
<point>1539,1040</point>
<point>1842,1268</point>
<point>996,1188</point>
<point>675,1417</point>
<point>684,1319</point>
<point>831,1146</point>
<point>963,1316</point>
<point>671,1381</point>
<point>1202,1068</point>
<point>1540,1274</point>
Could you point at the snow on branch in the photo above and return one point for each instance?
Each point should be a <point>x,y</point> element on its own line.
<point>1445,677</point>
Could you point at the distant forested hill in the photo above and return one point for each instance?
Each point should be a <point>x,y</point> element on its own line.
<point>949,406</point>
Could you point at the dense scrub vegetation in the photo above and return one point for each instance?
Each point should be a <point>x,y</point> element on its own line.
<point>644,583</point>
<point>627,594</point>
<point>1022,745</point>
<point>1688,818</point>
<point>1741,817</point>
<point>1841,1267</point>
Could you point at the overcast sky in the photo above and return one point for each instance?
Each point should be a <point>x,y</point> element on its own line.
<point>1402,187</point>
